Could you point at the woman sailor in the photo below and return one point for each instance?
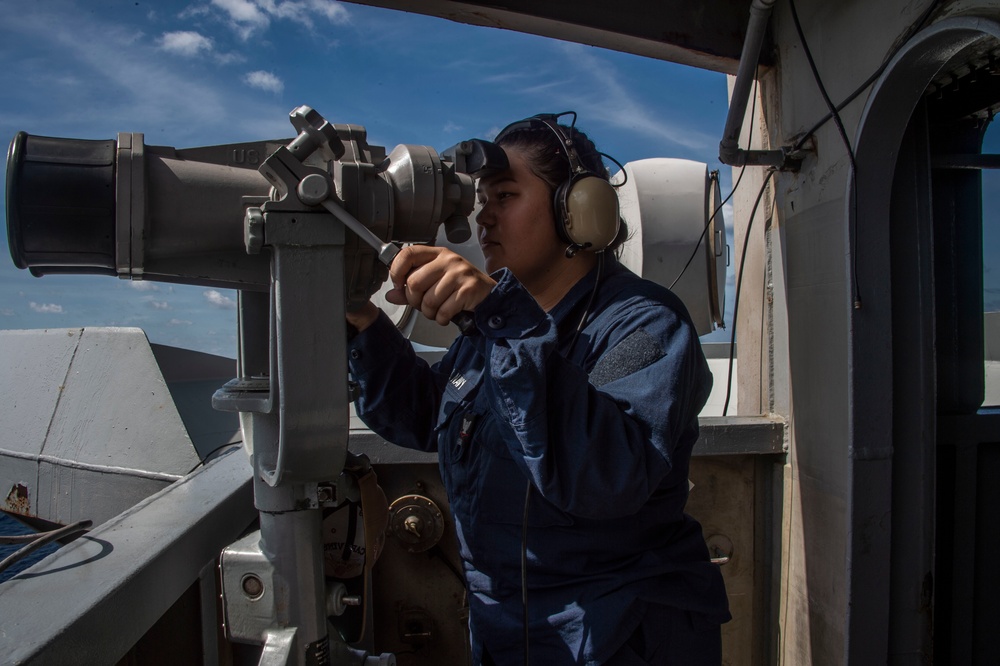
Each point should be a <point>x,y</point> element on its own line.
<point>564,425</point>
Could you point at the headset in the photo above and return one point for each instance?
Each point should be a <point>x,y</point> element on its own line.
<point>585,205</point>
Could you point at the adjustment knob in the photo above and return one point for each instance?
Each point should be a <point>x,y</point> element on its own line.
<point>416,522</point>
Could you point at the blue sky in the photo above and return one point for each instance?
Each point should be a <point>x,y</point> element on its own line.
<point>220,71</point>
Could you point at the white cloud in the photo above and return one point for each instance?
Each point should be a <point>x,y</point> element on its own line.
<point>250,16</point>
<point>179,322</point>
<point>612,102</point>
<point>46,308</point>
<point>543,89</point>
<point>219,300</point>
<point>303,11</point>
<point>333,11</point>
<point>246,17</point>
<point>7,312</point>
<point>451,126</point>
<point>517,77</point>
<point>192,44</point>
<point>185,43</point>
<point>194,11</point>
<point>142,285</point>
<point>120,79</point>
<point>230,58</point>
<point>264,81</point>
<point>160,305</point>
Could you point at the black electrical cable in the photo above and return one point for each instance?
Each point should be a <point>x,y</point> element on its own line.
<point>847,144</point>
<point>43,538</point>
<point>208,456</point>
<point>917,25</point>
<point>524,570</point>
<point>590,303</point>
<point>834,113</point>
<point>840,107</point>
<point>704,230</point>
<point>694,253</point>
<point>739,285</point>
<point>527,490</point>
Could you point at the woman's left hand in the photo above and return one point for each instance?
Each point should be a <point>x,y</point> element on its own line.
<point>436,281</point>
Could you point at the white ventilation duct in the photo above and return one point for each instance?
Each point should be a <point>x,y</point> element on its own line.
<point>673,210</point>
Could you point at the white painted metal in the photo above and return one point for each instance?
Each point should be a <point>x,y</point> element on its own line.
<point>90,426</point>
<point>92,600</point>
<point>674,214</point>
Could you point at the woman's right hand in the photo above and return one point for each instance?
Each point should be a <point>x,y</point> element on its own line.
<point>437,282</point>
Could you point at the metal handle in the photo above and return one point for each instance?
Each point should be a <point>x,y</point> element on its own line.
<point>466,322</point>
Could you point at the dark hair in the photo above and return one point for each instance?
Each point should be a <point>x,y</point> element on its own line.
<point>546,157</point>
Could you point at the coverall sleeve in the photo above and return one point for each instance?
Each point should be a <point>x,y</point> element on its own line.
<point>593,452</point>
<point>400,393</point>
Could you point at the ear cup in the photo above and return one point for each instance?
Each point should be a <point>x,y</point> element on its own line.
<point>587,212</point>
<point>585,206</point>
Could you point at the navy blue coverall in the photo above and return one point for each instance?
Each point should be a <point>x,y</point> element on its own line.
<point>602,428</point>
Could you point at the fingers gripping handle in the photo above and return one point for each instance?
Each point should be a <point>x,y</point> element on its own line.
<point>465,320</point>
<point>387,253</point>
